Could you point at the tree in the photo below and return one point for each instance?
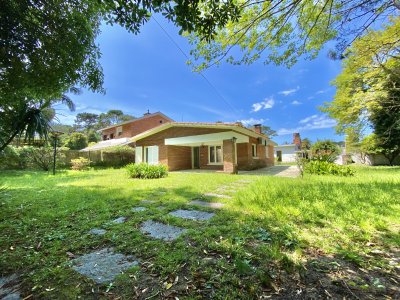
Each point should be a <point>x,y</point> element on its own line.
<point>368,89</point>
<point>281,31</point>
<point>306,144</point>
<point>86,121</point>
<point>112,117</point>
<point>325,150</point>
<point>268,131</point>
<point>76,141</point>
<point>28,118</point>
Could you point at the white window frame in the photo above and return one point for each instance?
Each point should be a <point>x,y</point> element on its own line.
<point>254,150</point>
<point>153,151</point>
<point>266,151</point>
<point>209,155</point>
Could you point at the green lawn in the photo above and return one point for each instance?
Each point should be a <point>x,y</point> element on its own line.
<point>320,235</point>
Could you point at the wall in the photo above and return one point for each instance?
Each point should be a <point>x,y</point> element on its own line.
<point>137,126</point>
<point>374,160</point>
<point>288,153</point>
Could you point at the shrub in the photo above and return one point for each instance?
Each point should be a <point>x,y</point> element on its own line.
<point>15,158</point>
<point>320,167</point>
<point>80,164</point>
<point>118,156</point>
<point>76,141</point>
<point>146,171</point>
<point>43,157</point>
<point>326,150</point>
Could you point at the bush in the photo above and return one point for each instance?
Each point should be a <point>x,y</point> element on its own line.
<point>146,171</point>
<point>80,164</point>
<point>118,156</point>
<point>76,141</point>
<point>320,167</point>
<point>326,150</point>
<point>15,158</point>
<point>43,157</point>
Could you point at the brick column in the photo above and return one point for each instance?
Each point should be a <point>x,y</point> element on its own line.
<point>230,165</point>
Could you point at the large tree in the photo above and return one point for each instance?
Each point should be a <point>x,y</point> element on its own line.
<point>113,117</point>
<point>86,121</point>
<point>368,89</point>
<point>283,30</point>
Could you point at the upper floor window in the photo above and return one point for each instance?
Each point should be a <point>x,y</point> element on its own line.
<point>119,131</point>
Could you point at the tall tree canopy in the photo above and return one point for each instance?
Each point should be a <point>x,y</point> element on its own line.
<point>281,31</point>
<point>368,89</point>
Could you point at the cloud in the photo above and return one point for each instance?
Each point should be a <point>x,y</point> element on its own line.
<point>289,92</point>
<point>295,102</point>
<point>252,121</point>
<point>310,123</point>
<point>266,104</point>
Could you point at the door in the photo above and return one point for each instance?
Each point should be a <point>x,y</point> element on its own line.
<point>279,155</point>
<point>196,157</point>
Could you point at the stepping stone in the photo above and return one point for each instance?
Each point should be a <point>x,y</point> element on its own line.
<point>192,214</point>
<point>97,231</point>
<point>244,181</point>
<point>104,265</point>
<point>217,195</point>
<point>161,231</point>
<point>9,287</point>
<point>119,220</point>
<point>139,208</point>
<point>207,204</point>
<point>147,201</point>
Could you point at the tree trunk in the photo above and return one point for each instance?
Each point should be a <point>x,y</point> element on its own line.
<point>3,146</point>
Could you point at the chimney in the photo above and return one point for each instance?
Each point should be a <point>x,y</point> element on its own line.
<point>257,128</point>
<point>297,140</point>
<point>147,113</point>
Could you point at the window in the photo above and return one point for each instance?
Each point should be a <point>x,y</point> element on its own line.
<point>254,150</point>
<point>215,154</point>
<point>151,155</point>
<point>266,151</point>
<point>119,131</point>
<point>160,121</point>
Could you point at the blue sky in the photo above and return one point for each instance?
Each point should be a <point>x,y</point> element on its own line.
<point>147,71</point>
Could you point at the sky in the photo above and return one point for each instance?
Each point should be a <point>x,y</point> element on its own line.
<point>149,72</point>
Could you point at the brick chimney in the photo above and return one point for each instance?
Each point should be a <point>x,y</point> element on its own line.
<point>257,128</point>
<point>297,140</point>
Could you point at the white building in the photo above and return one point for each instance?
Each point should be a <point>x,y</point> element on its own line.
<point>287,153</point>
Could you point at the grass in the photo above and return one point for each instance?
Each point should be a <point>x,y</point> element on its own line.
<point>272,231</point>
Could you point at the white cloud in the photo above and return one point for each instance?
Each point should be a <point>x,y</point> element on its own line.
<point>289,92</point>
<point>252,121</point>
<point>310,123</point>
<point>266,104</point>
<point>295,102</point>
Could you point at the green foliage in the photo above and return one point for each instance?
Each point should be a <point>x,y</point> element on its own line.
<point>80,164</point>
<point>146,171</point>
<point>321,167</point>
<point>268,131</point>
<point>76,141</point>
<point>93,137</point>
<point>117,156</point>
<point>86,121</point>
<point>282,31</point>
<point>112,117</point>
<point>325,150</point>
<point>43,157</point>
<point>306,144</point>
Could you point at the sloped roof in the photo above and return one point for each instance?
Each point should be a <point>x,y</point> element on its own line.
<point>107,144</point>
<point>138,119</point>
<point>219,125</point>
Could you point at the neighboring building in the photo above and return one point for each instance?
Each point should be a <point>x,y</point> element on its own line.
<point>133,127</point>
<point>288,153</point>
<point>217,146</point>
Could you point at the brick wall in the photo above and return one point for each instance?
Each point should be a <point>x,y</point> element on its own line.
<point>179,157</point>
<point>136,127</point>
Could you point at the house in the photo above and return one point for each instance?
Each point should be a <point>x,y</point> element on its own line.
<point>134,127</point>
<point>219,146</point>
<point>288,153</point>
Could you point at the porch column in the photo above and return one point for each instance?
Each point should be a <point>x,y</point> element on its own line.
<point>229,155</point>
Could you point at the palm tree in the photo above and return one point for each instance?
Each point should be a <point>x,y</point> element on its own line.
<point>29,118</point>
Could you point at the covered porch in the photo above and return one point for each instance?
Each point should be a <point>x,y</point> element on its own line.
<point>213,151</point>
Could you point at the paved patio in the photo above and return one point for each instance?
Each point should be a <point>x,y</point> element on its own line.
<point>280,171</point>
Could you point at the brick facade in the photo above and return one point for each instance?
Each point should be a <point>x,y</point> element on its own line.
<point>130,129</point>
<point>180,157</point>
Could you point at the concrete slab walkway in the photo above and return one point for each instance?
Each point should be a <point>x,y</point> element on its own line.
<point>279,171</point>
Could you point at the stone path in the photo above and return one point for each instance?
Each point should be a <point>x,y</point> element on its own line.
<point>103,265</point>
<point>9,287</point>
<point>161,231</point>
<point>192,214</point>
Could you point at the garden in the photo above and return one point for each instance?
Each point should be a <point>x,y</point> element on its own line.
<point>268,237</point>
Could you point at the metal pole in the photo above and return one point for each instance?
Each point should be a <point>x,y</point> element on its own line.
<point>55,153</point>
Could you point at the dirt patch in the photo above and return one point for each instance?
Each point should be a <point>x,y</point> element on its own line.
<point>192,214</point>
<point>103,265</point>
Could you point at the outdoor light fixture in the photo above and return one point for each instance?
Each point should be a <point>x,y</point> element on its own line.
<point>55,135</point>
<point>234,139</point>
